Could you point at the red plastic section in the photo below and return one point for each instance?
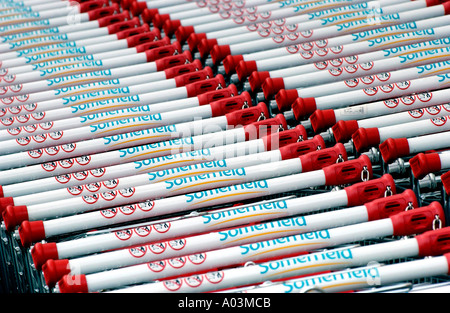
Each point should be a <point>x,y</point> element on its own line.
<point>446,6</point>
<point>102,12</point>
<point>302,147</point>
<point>193,77</point>
<point>218,53</point>
<point>322,158</point>
<point>5,202</point>
<point>322,120</point>
<point>42,252</point>
<point>285,99</point>
<point>434,242</point>
<point>365,138</point>
<point>343,130</point>
<point>281,140</point>
<point>126,4</point>
<point>230,63</point>
<point>137,7</point>
<point>200,87</point>
<point>170,26</point>
<point>183,33</point>
<point>225,106</point>
<point>73,284</point>
<point>271,86</point>
<point>303,107</point>
<point>149,14</point>
<point>445,179</point>
<point>54,270</point>
<point>118,22</point>
<point>153,44</point>
<point>31,232</point>
<point>115,27</point>
<point>244,69</point>
<point>387,206</point>
<point>135,36</point>
<point>205,46</point>
<point>394,148</point>
<point>162,52</point>
<point>347,172</point>
<point>183,69</point>
<point>418,220</point>
<point>194,40</point>
<point>247,116</point>
<point>92,5</point>
<point>13,216</point>
<point>424,164</point>
<point>364,192</point>
<point>176,60</point>
<point>157,19</point>
<point>255,79</point>
<point>2,194</point>
<point>264,127</point>
<point>215,95</point>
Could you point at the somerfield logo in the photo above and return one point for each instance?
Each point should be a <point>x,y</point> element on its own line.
<point>184,182</point>
<point>94,65</point>
<point>94,96</point>
<point>49,40</point>
<point>230,191</point>
<point>43,52</point>
<point>253,231</point>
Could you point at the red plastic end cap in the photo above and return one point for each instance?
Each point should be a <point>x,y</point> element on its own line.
<point>418,220</point>
<point>148,15</point>
<point>446,6</point>
<point>271,86</point>
<point>215,95</point>
<point>348,172</point>
<point>392,149</point>
<point>54,270</point>
<point>255,79</point>
<point>158,19</point>
<point>319,159</point>
<point>93,5</point>
<point>322,120</point>
<point>343,130</point>
<point>434,242</point>
<point>183,32</point>
<point>126,4</point>
<point>194,40</point>
<point>2,194</point>
<point>205,46</point>
<point>424,164</point>
<point>388,206</point>
<point>198,88</point>
<point>365,138</point>
<point>31,232</point>
<point>364,192</point>
<point>13,216</point>
<point>230,63</point>
<point>244,70</point>
<point>283,141</point>
<point>303,107</point>
<point>232,104</point>
<point>218,53</point>
<point>170,26</point>
<point>445,179</point>
<point>137,7</point>
<point>42,252</point>
<point>5,202</point>
<point>265,127</point>
<point>285,98</point>
<point>73,284</point>
<point>247,116</point>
